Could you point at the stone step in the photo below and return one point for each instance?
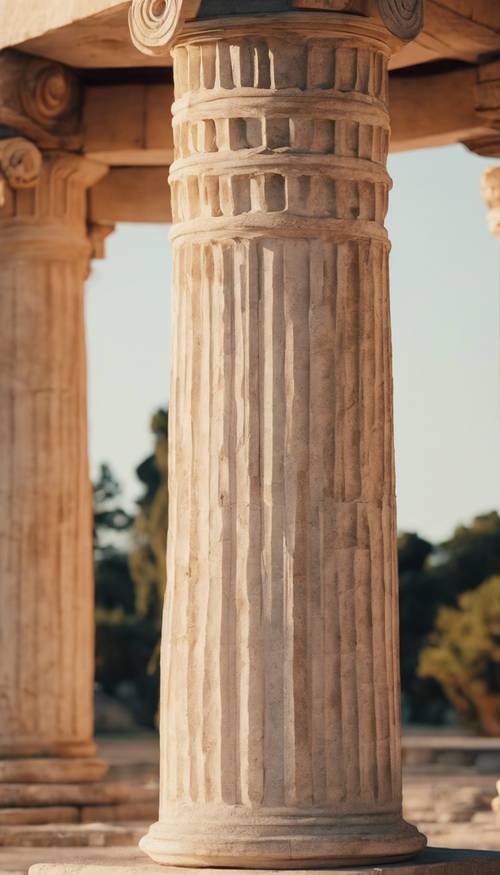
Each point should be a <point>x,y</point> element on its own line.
<point>33,816</point>
<point>104,793</point>
<point>52,771</point>
<point>72,835</point>
<point>145,811</point>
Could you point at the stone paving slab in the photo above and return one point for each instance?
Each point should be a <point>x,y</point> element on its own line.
<point>17,861</point>
<point>433,861</point>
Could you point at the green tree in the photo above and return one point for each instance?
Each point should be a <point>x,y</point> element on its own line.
<point>463,656</point>
<point>430,578</point>
<point>114,585</point>
<point>124,640</point>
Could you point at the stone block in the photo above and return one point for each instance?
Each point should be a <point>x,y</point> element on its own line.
<point>488,762</point>
<point>455,757</point>
<point>52,770</point>
<point>32,816</point>
<point>418,756</point>
<point>433,861</point>
<point>34,795</point>
<point>145,811</point>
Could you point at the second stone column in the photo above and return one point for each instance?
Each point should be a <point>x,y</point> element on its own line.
<point>46,575</point>
<point>280,713</point>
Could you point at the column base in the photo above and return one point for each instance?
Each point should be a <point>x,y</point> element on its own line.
<point>116,861</point>
<point>258,840</point>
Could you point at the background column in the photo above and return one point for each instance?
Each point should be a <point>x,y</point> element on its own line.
<point>46,576</point>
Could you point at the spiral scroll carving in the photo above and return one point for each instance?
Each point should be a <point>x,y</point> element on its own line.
<point>404,18</point>
<point>20,162</point>
<point>48,92</point>
<point>154,24</point>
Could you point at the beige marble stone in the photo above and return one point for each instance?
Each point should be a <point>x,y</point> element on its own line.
<point>434,861</point>
<point>145,811</point>
<point>46,580</point>
<point>29,795</point>
<point>52,770</point>
<point>32,816</point>
<point>280,714</point>
<point>68,835</point>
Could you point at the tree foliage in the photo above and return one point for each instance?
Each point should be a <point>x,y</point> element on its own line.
<point>125,639</point>
<point>432,578</point>
<point>463,656</point>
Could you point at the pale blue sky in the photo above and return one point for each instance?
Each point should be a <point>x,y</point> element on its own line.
<point>445,319</point>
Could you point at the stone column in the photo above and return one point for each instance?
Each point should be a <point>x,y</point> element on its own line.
<point>280,712</point>
<point>46,576</point>
<point>490,190</point>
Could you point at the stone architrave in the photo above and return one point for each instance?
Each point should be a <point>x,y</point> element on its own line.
<point>46,577</point>
<point>280,712</point>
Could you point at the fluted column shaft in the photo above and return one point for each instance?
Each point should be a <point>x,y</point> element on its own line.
<point>280,682</point>
<point>46,578</point>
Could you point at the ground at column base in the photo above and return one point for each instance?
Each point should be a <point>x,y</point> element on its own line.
<point>120,861</point>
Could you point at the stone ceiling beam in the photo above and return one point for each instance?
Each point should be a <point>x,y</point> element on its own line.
<point>131,194</point>
<point>128,125</point>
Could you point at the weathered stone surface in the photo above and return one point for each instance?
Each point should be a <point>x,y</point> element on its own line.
<point>69,835</point>
<point>488,763</point>
<point>17,861</point>
<point>280,701</point>
<point>416,756</point>
<point>433,861</point>
<point>455,757</point>
<point>145,811</point>
<point>31,795</point>
<point>32,816</point>
<point>46,585</point>
<point>52,770</point>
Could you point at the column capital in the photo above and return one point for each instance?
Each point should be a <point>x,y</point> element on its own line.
<point>490,190</point>
<point>156,24</point>
<point>43,209</point>
<point>40,100</point>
